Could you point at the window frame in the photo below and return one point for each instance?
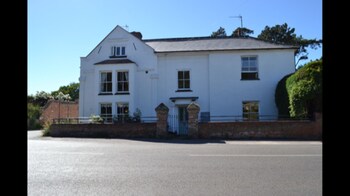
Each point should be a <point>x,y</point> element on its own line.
<point>125,83</point>
<point>118,51</point>
<point>249,74</point>
<point>183,81</point>
<point>121,115</point>
<point>103,83</point>
<point>252,115</point>
<point>107,118</point>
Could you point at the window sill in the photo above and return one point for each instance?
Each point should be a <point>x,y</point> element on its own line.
<point>250,79</point>
<point>185,90</point>
<point>124,56</point>
<point>105,94</point>
<point>122,93</point>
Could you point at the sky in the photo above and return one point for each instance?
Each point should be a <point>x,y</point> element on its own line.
<point>61,31</point>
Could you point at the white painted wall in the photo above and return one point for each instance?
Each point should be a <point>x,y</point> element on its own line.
<point>168,67</point>
<point>139,82</point>
<point>228,91</point>
<point>215,78</point>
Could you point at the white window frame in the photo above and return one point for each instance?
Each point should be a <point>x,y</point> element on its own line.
<point>184,80</point>
<point>121,117</point>
<point>121,49</point>
<point>250,113</point>
<point>250,67</point>
<point>123,82</point>
<point>107,118</point>
<point>110,82</point>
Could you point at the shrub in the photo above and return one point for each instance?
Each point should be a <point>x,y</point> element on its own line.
<point>281,98</point>
<point>137,115</point>
<point>33,114</point>
<point>96,119</point>
<point>305,90</point>
<point>46,128</point>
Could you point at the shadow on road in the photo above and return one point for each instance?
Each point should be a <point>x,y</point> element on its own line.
<point>181,141</point>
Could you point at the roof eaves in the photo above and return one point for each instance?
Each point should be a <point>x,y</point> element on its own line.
<point>224,50</point>
<point>115,61</point>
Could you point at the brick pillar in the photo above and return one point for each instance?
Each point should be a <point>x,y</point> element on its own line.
<point>162,122</point>
<point>193,110</point>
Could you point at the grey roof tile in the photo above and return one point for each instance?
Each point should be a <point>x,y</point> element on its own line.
<point>212,44</point>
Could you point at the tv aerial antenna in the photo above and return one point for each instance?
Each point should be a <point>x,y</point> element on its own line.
<point>239,16</point>
<point>126,27</point>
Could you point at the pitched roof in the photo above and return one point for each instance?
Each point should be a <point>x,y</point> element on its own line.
<point>211,44</point>
<point>114,61</point>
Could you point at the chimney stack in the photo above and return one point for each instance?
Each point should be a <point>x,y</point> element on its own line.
<point>137,34</point>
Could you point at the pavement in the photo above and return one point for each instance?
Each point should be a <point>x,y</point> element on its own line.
<point>77,166</point>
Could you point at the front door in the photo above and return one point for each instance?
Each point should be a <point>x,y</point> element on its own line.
<point>183,120</point>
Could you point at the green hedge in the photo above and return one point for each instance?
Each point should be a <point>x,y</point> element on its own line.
<point>304,89</point>
<point>282,99</point>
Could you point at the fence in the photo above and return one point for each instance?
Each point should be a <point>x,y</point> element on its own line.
<point>240,118</point>
<point>98,120</point>
<point>206,126</point>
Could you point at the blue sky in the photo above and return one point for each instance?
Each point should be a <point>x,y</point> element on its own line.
<point>60,32</point>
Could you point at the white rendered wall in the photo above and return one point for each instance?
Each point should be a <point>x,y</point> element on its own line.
<point>168,67</point>
<point>215,78</point>
<point>228,91</point>
<point>139,82</point>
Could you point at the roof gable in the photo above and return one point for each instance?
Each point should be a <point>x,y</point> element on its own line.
<point>118,34</point>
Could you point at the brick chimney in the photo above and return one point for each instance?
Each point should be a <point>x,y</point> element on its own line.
<point>137,34</point>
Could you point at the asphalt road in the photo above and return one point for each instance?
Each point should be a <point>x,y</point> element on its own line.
<point>74,166</point>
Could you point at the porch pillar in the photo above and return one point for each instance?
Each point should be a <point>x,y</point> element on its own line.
<point>162,122</point>
<point>193,110</point>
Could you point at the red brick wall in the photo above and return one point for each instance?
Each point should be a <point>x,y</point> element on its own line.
<point>299,130</point>
<point>308,130</point>
<point>54,109</point>
<point>126,130</point>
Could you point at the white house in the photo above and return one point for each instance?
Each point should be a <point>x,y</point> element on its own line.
<point>230,78</point>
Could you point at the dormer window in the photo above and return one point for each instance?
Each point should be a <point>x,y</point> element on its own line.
<point>118,52</point>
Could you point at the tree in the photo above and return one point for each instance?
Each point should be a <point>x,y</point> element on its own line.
<point>72,89</point>
<point>242,32</point>
<point>282,34</point>
<point>304,89</point>
<point>63,97</point>
<point>219,33</point>
<point>33,114</point>
<point>40,98</point>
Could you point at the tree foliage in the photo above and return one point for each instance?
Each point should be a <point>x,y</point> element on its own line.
<point>219,33</point>
<point>40,98</point>
<point>281,98</point>
<point>242,32</point>
<point>72,90</point>
<point>283,34</point>
<point>305,90</point>
<point>239,32</point>
<point>33,114</point>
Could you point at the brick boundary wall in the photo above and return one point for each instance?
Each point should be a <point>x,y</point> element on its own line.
<point>301,130</point>
<point>54,109</point>
<point>285,130</point>
<point>126,130</point>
